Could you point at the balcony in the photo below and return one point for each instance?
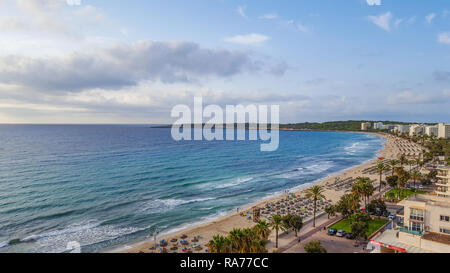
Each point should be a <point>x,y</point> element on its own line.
<point>410,231</point>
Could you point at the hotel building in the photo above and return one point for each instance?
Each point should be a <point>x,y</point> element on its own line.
<point>402,128</point>
<point>443,130</point>
<point>378,125</point>
<point>443,181</point>
<point>431,131</point>
<point>416,130</point>
<point>365,126</point>
<point>425,227</point>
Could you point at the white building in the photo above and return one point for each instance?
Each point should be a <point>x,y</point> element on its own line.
<point>402,129</point>
<point>365,126</point>
<point>425,227</point>
<point>444,130</point>
<point>431,131</point>
<point>377,125</point>
<point>388,127</point>
<point>443,182</point>
<point>416,130</point>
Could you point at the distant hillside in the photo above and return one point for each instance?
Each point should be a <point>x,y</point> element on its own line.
<point>351,125</point>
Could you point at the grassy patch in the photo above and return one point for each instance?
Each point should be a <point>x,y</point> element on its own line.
<point>374,225</point>
<point>404,193</point>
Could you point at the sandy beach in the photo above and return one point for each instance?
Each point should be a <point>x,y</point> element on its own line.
<point>335,186</point>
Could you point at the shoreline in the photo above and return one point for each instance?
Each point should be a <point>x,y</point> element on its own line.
<point>222,224</point>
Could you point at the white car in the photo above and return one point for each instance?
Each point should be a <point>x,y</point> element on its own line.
<point>392,216</point>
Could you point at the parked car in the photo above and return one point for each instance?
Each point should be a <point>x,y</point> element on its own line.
<point>392,216</point>
<point>349,236</point>
<point>386,213</point>
<point>332,231</point>
<point>341,233</point>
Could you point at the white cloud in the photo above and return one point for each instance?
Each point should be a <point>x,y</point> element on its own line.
<point>125,65</point>
<point>241,11</point>
<point>90,14</point>
<point>11,24</point>
<point>444,38</point>
<point>73,2</point>
<point>270,16</point>
<point>373,2</point>
<point>250,39</point>
<point>382,20</point>
<point>302,28</point>
<point>408,97</point>
<point>398,22</point>
<point>429,18</point>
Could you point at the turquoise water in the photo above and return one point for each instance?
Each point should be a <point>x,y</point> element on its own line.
<point>105,186</point>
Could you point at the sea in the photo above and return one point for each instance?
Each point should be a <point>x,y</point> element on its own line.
<point>105,186</point>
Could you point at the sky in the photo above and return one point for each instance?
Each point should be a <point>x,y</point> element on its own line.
<point>113,61</point>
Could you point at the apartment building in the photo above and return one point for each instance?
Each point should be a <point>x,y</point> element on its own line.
<point>425,227</point>
<point>365,126</point>
<point>443,130</point>
<point>431,131</point>
<point>443,181</point>
<point>416,130</point>
<point>378,125</point>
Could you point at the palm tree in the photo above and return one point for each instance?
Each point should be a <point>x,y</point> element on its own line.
<point>402,160</point>
<point>419,163</point>
<point>403,177</point>
<point>357,190</point>
<point>416,175</point>
<point>296,223</point>
<point>381,168</point>
<point>411,163</point>
<point>276,223</point>
<point>330,210</point>
<point>368,190</point>
<point>316,193</point>
<point>219,244</point>
<point>262,229</point>
<point>363,189</point>
<point>393,164</point>
<point>236,239</point>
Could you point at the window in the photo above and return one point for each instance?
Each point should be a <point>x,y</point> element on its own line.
<point>416,214</point>
<point>444,230</point>
<point>445,218</point>
<point>416,226</point>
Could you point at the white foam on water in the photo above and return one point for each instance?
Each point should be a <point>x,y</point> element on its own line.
<point>236,182</point>
<point>356,147</point>
<point>86,233</point>
<point>4,244</point>
<point>164,205</point>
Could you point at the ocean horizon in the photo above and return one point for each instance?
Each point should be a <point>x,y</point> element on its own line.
<point>108,185</point>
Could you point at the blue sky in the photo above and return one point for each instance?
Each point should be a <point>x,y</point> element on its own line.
<point>110,61</point>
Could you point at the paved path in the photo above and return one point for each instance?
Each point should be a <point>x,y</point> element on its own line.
<point>310,233</point>
<point>322,226</point>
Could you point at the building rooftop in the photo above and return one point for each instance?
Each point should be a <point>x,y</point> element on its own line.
<point>437,237</point>
<point>431,200</point>
<point>389,239</point>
